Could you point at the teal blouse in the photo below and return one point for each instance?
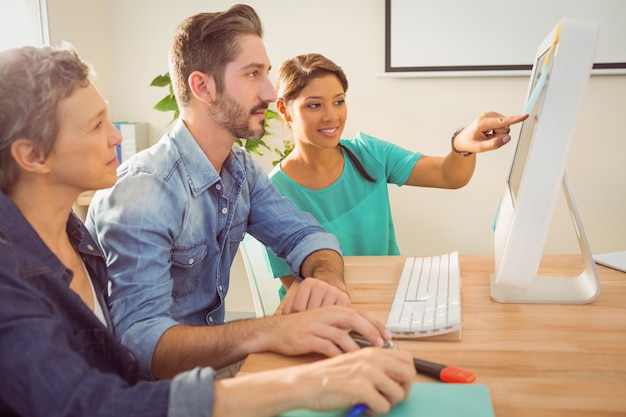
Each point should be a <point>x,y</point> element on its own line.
<point>353,209</point>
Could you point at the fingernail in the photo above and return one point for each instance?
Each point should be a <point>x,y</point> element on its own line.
<point>380,342</point>
<point>506,138</point>
<point>387,334</point>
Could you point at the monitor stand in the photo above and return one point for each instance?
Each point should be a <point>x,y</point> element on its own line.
<point>580,289</point>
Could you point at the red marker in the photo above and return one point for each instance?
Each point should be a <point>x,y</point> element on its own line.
<point>443,372</point>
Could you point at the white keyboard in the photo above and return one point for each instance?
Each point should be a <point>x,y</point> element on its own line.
<point>427,301</point>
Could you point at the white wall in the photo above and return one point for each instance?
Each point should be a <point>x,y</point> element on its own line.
<point>84,25</point>
<point>418,114</point>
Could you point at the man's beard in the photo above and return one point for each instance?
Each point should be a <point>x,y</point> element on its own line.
<point>235,118</point>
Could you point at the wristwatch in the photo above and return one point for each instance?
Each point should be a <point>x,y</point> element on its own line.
<point>465,154</point>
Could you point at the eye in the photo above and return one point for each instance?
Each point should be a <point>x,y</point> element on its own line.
<point>314,105</point>
<point>253,74</point>
<point>340,102</point>
<point>98,126</point>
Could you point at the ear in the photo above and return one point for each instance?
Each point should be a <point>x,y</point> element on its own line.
<point>28,156</point>
<point>202,87</point>
<point>283,111</point>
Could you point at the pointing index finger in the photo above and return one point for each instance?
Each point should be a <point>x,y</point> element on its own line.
<point>511,120</point>
<point>499,121</point>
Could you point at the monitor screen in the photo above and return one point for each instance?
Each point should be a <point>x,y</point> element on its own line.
<point>533,108</point>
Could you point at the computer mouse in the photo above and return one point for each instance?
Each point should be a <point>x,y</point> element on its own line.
<point>363,342</point>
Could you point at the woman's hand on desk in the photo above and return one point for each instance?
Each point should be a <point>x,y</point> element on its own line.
<point>322,330</point>
<point>379,378</point>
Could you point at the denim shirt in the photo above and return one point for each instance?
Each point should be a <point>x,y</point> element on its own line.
<point>171,227</point>
<point>56,356</point>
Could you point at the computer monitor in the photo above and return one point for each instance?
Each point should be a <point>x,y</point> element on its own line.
<point>559,77</point>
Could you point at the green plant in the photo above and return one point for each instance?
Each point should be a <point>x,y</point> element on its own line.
<point>168,103</point>
<point>282,154</point>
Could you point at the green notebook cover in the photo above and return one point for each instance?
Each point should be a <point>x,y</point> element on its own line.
<point>431,400</point>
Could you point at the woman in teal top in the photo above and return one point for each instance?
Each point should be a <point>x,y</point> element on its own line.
<point>355,210</point>
<point>343,182</point>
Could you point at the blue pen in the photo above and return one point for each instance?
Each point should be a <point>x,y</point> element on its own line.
<point>357,411</point>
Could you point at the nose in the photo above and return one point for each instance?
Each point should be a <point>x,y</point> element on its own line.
<point>330,114</point>
<point>268,92</point>
<point>115,137</point>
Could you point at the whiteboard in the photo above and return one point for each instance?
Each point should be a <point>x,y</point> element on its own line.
<point>487,37</point>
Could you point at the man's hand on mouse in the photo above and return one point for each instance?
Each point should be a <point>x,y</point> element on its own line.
<point>323,330</point>
<point>363,342</point>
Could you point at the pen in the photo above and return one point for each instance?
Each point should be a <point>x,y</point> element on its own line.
<point>443,373</point>
<point>357,410</point>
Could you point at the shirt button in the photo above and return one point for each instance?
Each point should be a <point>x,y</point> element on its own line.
<point>191,261</point>
<point>210,319</point>
<point>219,287</point>
<point>218,187</point>
<point>90,247</point>
<point>224,210</point>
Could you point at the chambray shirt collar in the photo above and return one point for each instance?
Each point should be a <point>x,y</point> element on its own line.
<point>201,173</point>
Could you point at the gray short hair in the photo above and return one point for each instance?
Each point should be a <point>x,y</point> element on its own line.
<point>32,83</point>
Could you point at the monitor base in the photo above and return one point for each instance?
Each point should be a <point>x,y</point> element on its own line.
<point>550,290</point>
<point>554,289</point>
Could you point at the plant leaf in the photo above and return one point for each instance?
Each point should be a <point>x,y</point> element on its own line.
<point>252,145</point>
<point>168,103</point>
<point>270,114</point>
<point>161,80</point>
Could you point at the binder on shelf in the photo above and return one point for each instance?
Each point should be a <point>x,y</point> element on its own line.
<point>134,139</point>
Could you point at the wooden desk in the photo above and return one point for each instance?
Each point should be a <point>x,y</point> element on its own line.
<point>537,360</point>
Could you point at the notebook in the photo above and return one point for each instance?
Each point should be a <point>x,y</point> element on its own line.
<point>430,400</point>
